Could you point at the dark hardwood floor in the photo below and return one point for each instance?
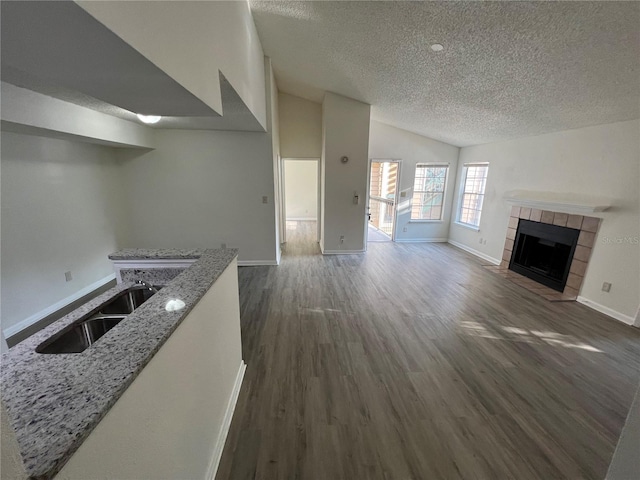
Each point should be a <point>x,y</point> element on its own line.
<point>414,362</point>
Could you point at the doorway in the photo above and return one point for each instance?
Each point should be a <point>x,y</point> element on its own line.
<point>301,200</point>
<point>383,191</point>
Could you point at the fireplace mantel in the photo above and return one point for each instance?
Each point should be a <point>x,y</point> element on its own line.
<point>557,202</point>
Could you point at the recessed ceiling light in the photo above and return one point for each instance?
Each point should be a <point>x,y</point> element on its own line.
<point>436,47</point>
<point>149,118</point>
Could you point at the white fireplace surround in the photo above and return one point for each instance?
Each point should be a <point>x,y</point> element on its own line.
<point>558,202</point>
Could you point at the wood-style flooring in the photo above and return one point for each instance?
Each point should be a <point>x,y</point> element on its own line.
<point>414,362</point>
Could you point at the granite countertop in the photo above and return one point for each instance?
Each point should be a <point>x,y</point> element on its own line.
<point>54,401</point>
<point>155,254</point>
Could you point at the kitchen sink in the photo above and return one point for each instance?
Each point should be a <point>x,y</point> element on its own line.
<point>83,333</point>
<point>80,335</point>
<point>127,301</point>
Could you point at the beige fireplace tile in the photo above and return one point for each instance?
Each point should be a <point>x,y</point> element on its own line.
<point>582,253</point>
<point>504,264</point>
<point>546,217</point>
<point>575,221</point>
<point>506,255</point>
<point>574,281</point>
<point>515,212</point>
<point>525,213</point>
<point>590,224</point>
<point>536,215</point>
<point>511,233</point>
<point>560,219</point>
<point>513,222</point>
<point>586,239</point>
<point>578,267</point>
<point>508,244</point>
<point>571,292</point>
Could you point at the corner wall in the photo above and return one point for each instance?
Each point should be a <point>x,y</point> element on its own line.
<point>199,189</point>
<point>603,161</point>
<point>391,143</point>
<point>63,209</point>
<point>345,132</point>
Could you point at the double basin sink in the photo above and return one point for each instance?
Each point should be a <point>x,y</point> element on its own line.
<point>81,334</point>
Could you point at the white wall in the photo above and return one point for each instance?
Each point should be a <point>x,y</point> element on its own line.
<point>273,127</point>
<point>600,161</point>
<point>63,209</point>
<point>301,189</point>
<point>300,127</point>
<point>386,143</point>
<point>192,42</point>
<point>345,132</point>
<point>199,189</point>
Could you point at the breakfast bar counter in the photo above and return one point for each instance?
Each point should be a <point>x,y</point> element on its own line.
<point>54,401</point>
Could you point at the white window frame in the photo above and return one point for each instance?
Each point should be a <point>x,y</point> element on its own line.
<point>463,181</point>
<point>444,191</point>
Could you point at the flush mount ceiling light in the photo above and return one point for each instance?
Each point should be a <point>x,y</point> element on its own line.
<point>149,118</point>
<point>436,47</point>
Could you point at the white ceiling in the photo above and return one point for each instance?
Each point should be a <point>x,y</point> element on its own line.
<point>58,49</point>
<point>508,69</point>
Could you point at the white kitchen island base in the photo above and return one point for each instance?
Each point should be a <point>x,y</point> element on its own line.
<point>173,419</point>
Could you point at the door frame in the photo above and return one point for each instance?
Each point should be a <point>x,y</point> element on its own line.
<point>283,199</point>
<point>395,200</point>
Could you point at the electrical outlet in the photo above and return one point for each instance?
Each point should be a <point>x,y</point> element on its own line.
<point>404,229</point>
<point>67,276</point>
<point>606,287</point>
<point>223,246</point>
<point>265,199</point>
<point>341,238</point>
<point>480,241</point>
<point>484,242</point>
<point>403,194</point>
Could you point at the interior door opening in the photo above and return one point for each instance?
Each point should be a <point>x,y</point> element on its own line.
<point>301,199</point>
<point>383,189</point>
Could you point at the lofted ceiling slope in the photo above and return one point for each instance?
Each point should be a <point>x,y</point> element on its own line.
<point>58,49</point>
<point>508,69</point>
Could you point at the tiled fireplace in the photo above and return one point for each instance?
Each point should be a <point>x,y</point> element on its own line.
<point>583,228</point>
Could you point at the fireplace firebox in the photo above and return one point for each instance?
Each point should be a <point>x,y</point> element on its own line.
<point>543,252</point>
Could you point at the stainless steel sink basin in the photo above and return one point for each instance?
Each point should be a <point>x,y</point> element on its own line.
<point>127,301</point>
<point>81,334</point>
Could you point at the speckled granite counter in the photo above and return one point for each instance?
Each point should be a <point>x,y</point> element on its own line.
<point>54,401</point>
<point>155,254</point>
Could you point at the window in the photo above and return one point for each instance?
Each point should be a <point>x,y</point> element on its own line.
<point>474,180</point>
<point>428,191</point>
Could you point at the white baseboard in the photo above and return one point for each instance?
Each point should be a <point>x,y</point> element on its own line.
<point>226,423</point>
<point>36,317</point>
<point>483,256</point>
<point>607,311</point>
<point>256,263</point>
<point>302,219</point>
<point>421,240</point>
<point>342,252</point>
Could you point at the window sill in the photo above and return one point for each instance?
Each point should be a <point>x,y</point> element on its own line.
<point>466,225</point>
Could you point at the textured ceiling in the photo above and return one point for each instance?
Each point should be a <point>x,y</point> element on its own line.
<point>58,49</point>
<point>508,69</point>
